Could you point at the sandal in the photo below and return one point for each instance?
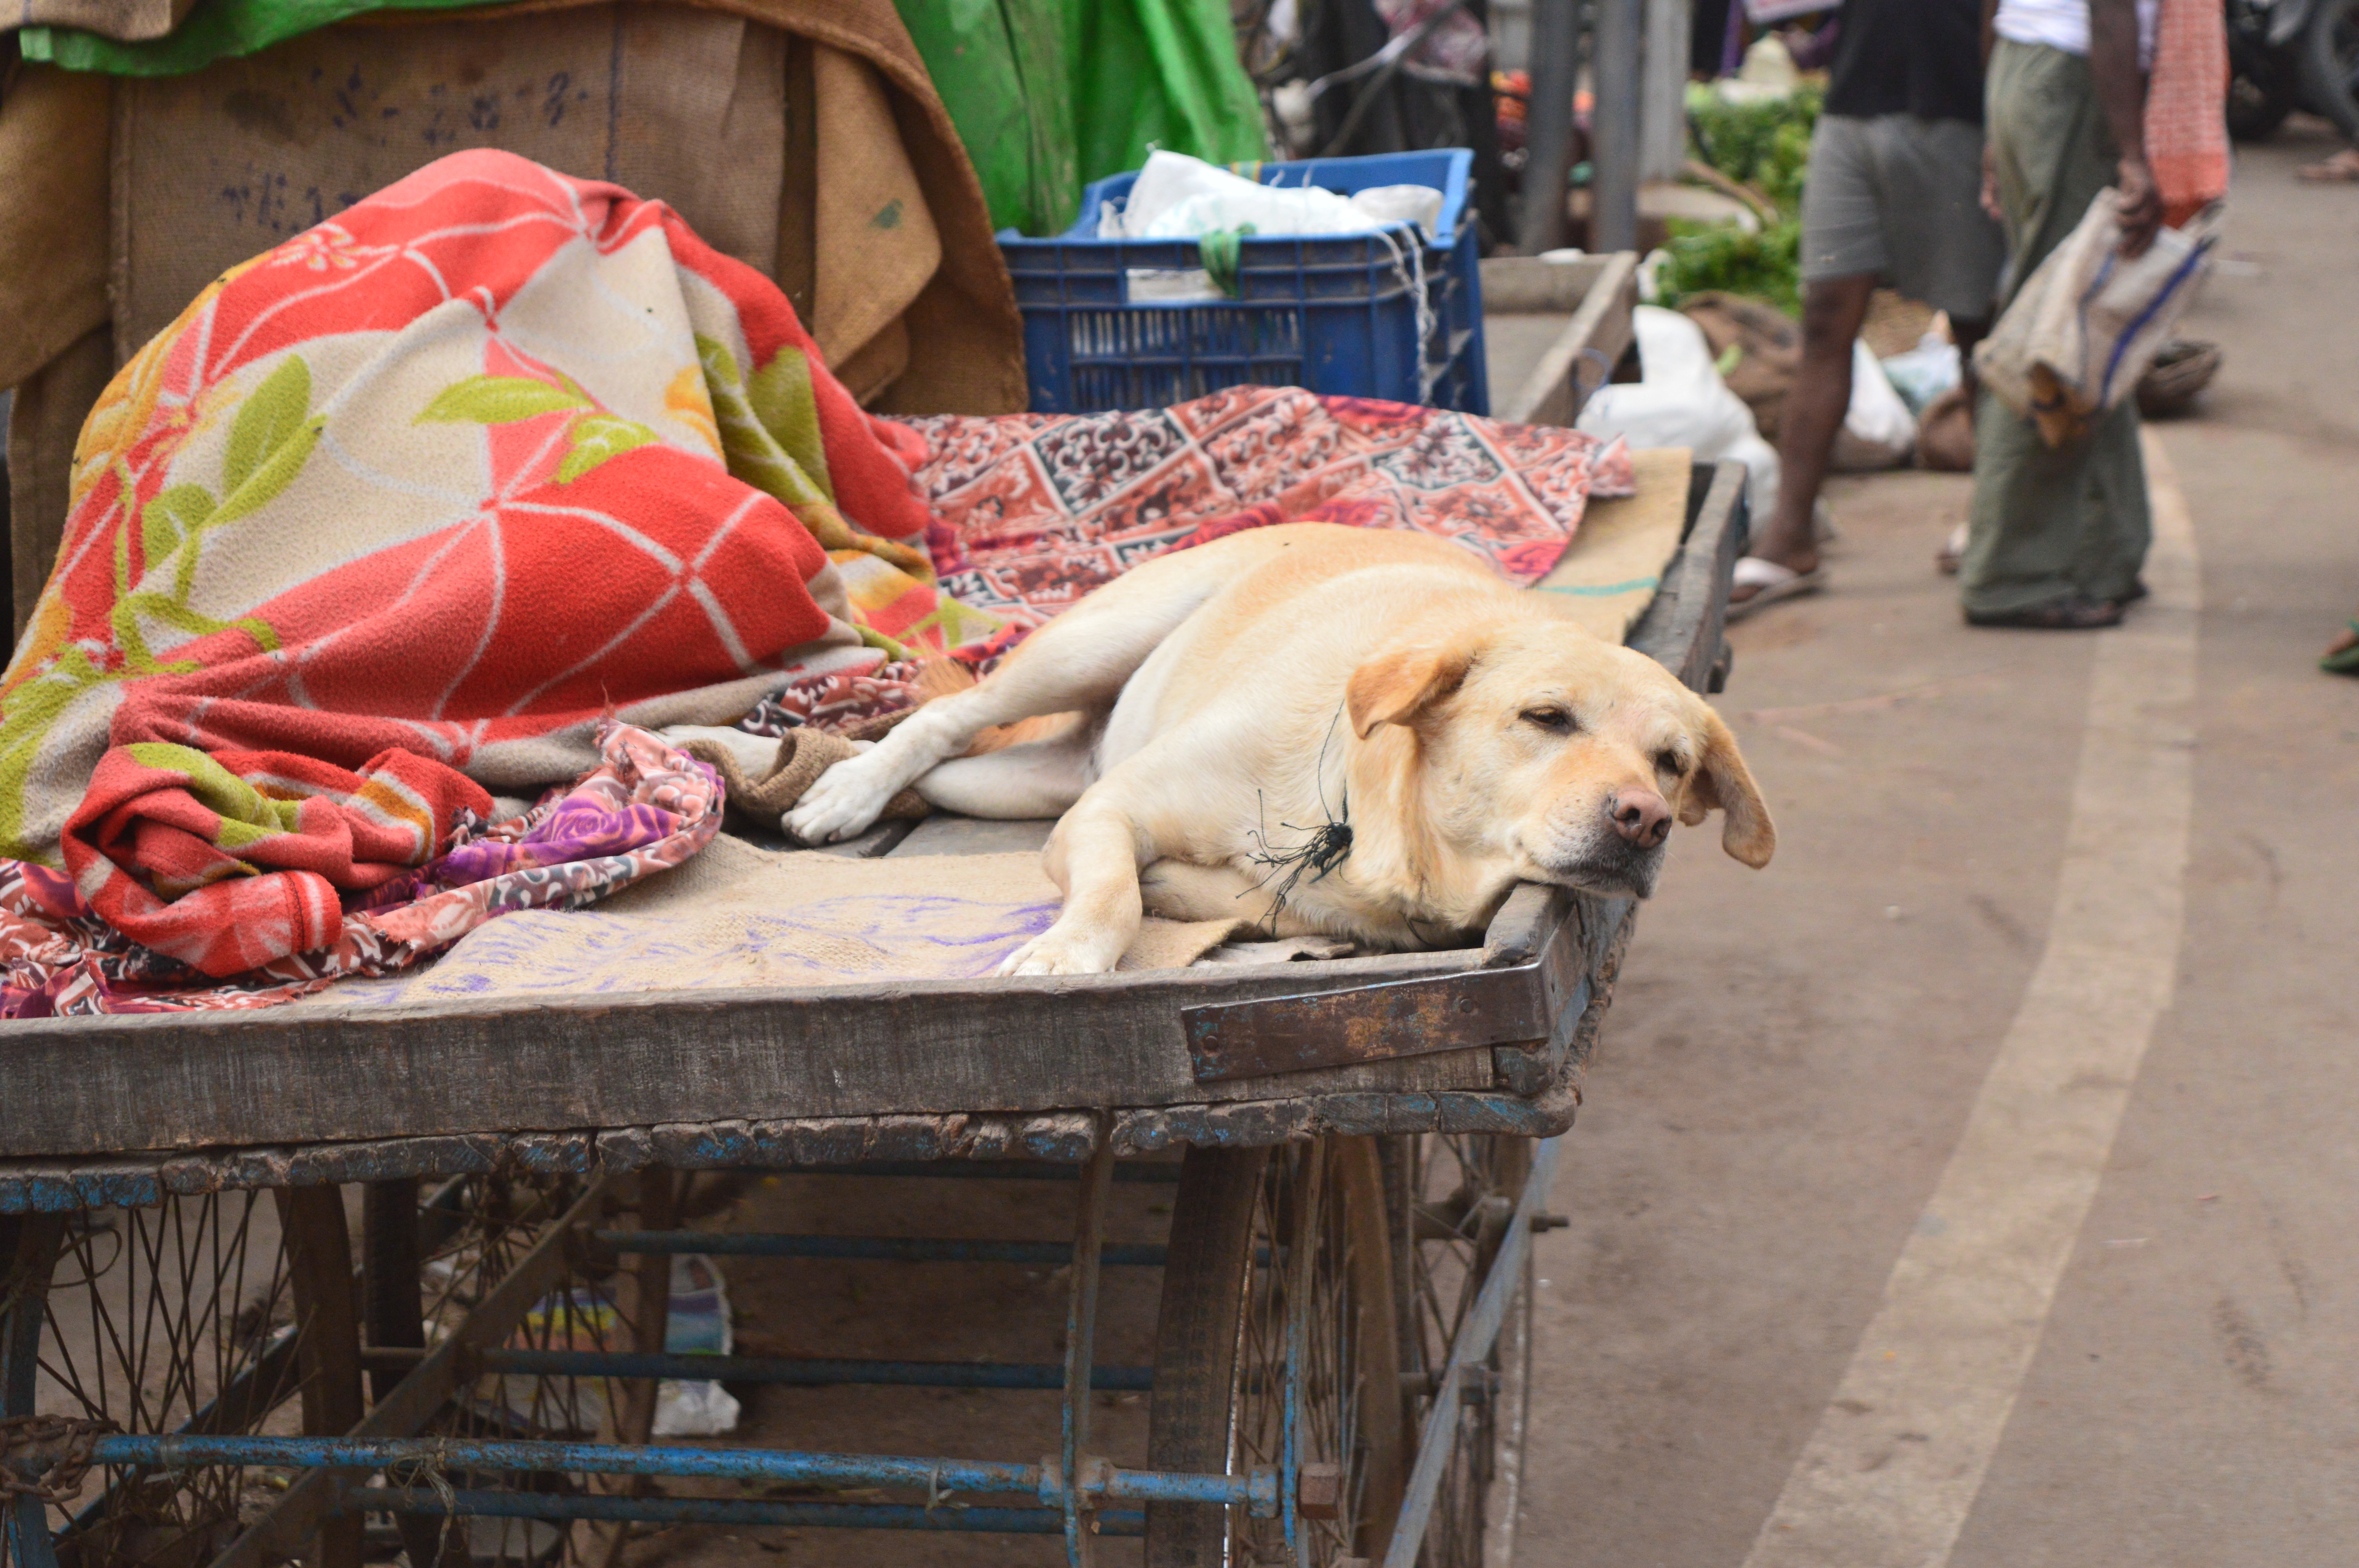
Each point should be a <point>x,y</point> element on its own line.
<point>2342,168</point>
<point>1953,551</point>
<point>2342,659</point>
<point>2072,614</point>
<point>1770,582</point>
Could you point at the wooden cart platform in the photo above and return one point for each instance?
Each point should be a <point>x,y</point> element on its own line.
<point>237,1329</point>
<point>1488,1039</point>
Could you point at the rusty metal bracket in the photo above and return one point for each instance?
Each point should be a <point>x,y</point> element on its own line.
<point>1366,1023</point>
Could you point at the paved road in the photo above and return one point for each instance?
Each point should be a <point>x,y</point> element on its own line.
<point>1795,1054</point>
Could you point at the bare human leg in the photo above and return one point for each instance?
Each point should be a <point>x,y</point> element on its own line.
<point>1833,309</point>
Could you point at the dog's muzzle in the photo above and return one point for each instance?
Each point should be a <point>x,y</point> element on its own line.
<point>1608,864</point>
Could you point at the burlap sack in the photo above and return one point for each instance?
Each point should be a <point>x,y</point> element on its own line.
<point>43,423</point>
<point>802,756</point>
<point>736,916</point>
<point>53,216</point>
<point>132,21</point>
<point>1945,433</point>
<point>215,166</point>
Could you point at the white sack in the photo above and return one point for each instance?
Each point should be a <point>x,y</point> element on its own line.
<point>1682,402</point>
<point>2084,327</point>
<point>1878,432</point>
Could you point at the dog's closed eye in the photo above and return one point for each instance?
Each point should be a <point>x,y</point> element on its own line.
<point>1555,720</point>
<point>1672,763</point>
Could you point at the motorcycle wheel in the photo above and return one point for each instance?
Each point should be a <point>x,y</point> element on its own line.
<point>2328,59</point>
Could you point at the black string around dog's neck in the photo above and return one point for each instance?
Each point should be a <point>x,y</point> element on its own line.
<point>1328,846</point>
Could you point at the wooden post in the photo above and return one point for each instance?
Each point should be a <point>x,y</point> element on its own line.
<point>1547,141</point>
<point>320,1274</point>
<point>1614,128</point>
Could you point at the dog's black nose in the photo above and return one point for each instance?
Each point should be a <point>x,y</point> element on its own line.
<point>1640,816</point>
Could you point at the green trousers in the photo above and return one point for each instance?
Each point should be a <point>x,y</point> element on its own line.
<point>2048,523</point>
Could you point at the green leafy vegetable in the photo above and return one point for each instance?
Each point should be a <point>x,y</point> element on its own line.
<point>1764,143</point>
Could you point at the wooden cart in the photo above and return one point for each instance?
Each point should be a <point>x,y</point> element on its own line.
<point>209,1356</point>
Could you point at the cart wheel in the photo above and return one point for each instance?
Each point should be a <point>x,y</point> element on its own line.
<point>1271,1248</point>
<point>1450,1198</point>
<point>429,1255</point>
<point>183,1316</point>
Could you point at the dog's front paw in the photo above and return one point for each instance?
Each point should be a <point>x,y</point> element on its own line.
<point>1061,951</point>
<point>845,800</point>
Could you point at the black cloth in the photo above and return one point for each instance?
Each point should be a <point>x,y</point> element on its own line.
<point>1908,57</point>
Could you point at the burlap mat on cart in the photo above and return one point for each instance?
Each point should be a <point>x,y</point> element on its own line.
<point>1608,575</point>
<point>739,916</point>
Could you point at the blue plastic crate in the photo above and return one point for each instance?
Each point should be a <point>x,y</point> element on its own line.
<point>1337,314</point>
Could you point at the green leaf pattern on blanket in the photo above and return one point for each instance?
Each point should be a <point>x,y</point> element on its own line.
<point>499,400</point>
<point>269,442</point>
<point>757,446</point>
<point>271,438</point>
<point>769,430</point>
<point>245,815</point>
<point>596,438</point>
<point>592,438</point>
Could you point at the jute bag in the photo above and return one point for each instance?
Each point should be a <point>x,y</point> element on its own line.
<point>2082,331</point>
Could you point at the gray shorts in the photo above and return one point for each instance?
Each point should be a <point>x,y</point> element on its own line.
<point>1901,198</point>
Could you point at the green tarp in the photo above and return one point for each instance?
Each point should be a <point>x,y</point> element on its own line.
<point>1051,94</point>
<point>215,30</point>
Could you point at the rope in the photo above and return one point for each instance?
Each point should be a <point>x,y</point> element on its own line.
<point>1412,272</point>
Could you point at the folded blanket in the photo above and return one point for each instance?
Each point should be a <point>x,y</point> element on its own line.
<point>491,455</point>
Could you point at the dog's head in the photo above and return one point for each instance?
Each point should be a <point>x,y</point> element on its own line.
<point>1569,755</point>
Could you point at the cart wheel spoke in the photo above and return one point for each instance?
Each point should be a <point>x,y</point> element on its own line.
<point>178,1316</point>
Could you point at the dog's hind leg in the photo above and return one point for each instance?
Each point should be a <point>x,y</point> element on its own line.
<point>1078,662</point>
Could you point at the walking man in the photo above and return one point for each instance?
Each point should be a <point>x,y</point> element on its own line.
<point>1894,195</point>
<point>2058,536</point>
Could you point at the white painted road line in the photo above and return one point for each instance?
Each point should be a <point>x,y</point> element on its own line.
<point>1887,1478</point>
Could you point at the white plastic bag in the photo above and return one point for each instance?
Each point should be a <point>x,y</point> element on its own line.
<point>1922,374</point>
<point>2085,325</point>
<point>1878,432</point>
<point>1682,402</point>
<point>699,1323</point>
<point>1177,197</point>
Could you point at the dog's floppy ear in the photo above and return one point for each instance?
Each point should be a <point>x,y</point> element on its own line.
<point>1722,782</point>
<point>1402,682</point>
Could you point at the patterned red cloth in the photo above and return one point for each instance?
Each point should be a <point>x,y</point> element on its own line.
<point>490,455</point>
<point>1031,512</point>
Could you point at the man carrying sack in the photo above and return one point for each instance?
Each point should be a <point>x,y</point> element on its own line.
<point>2058,534</point>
